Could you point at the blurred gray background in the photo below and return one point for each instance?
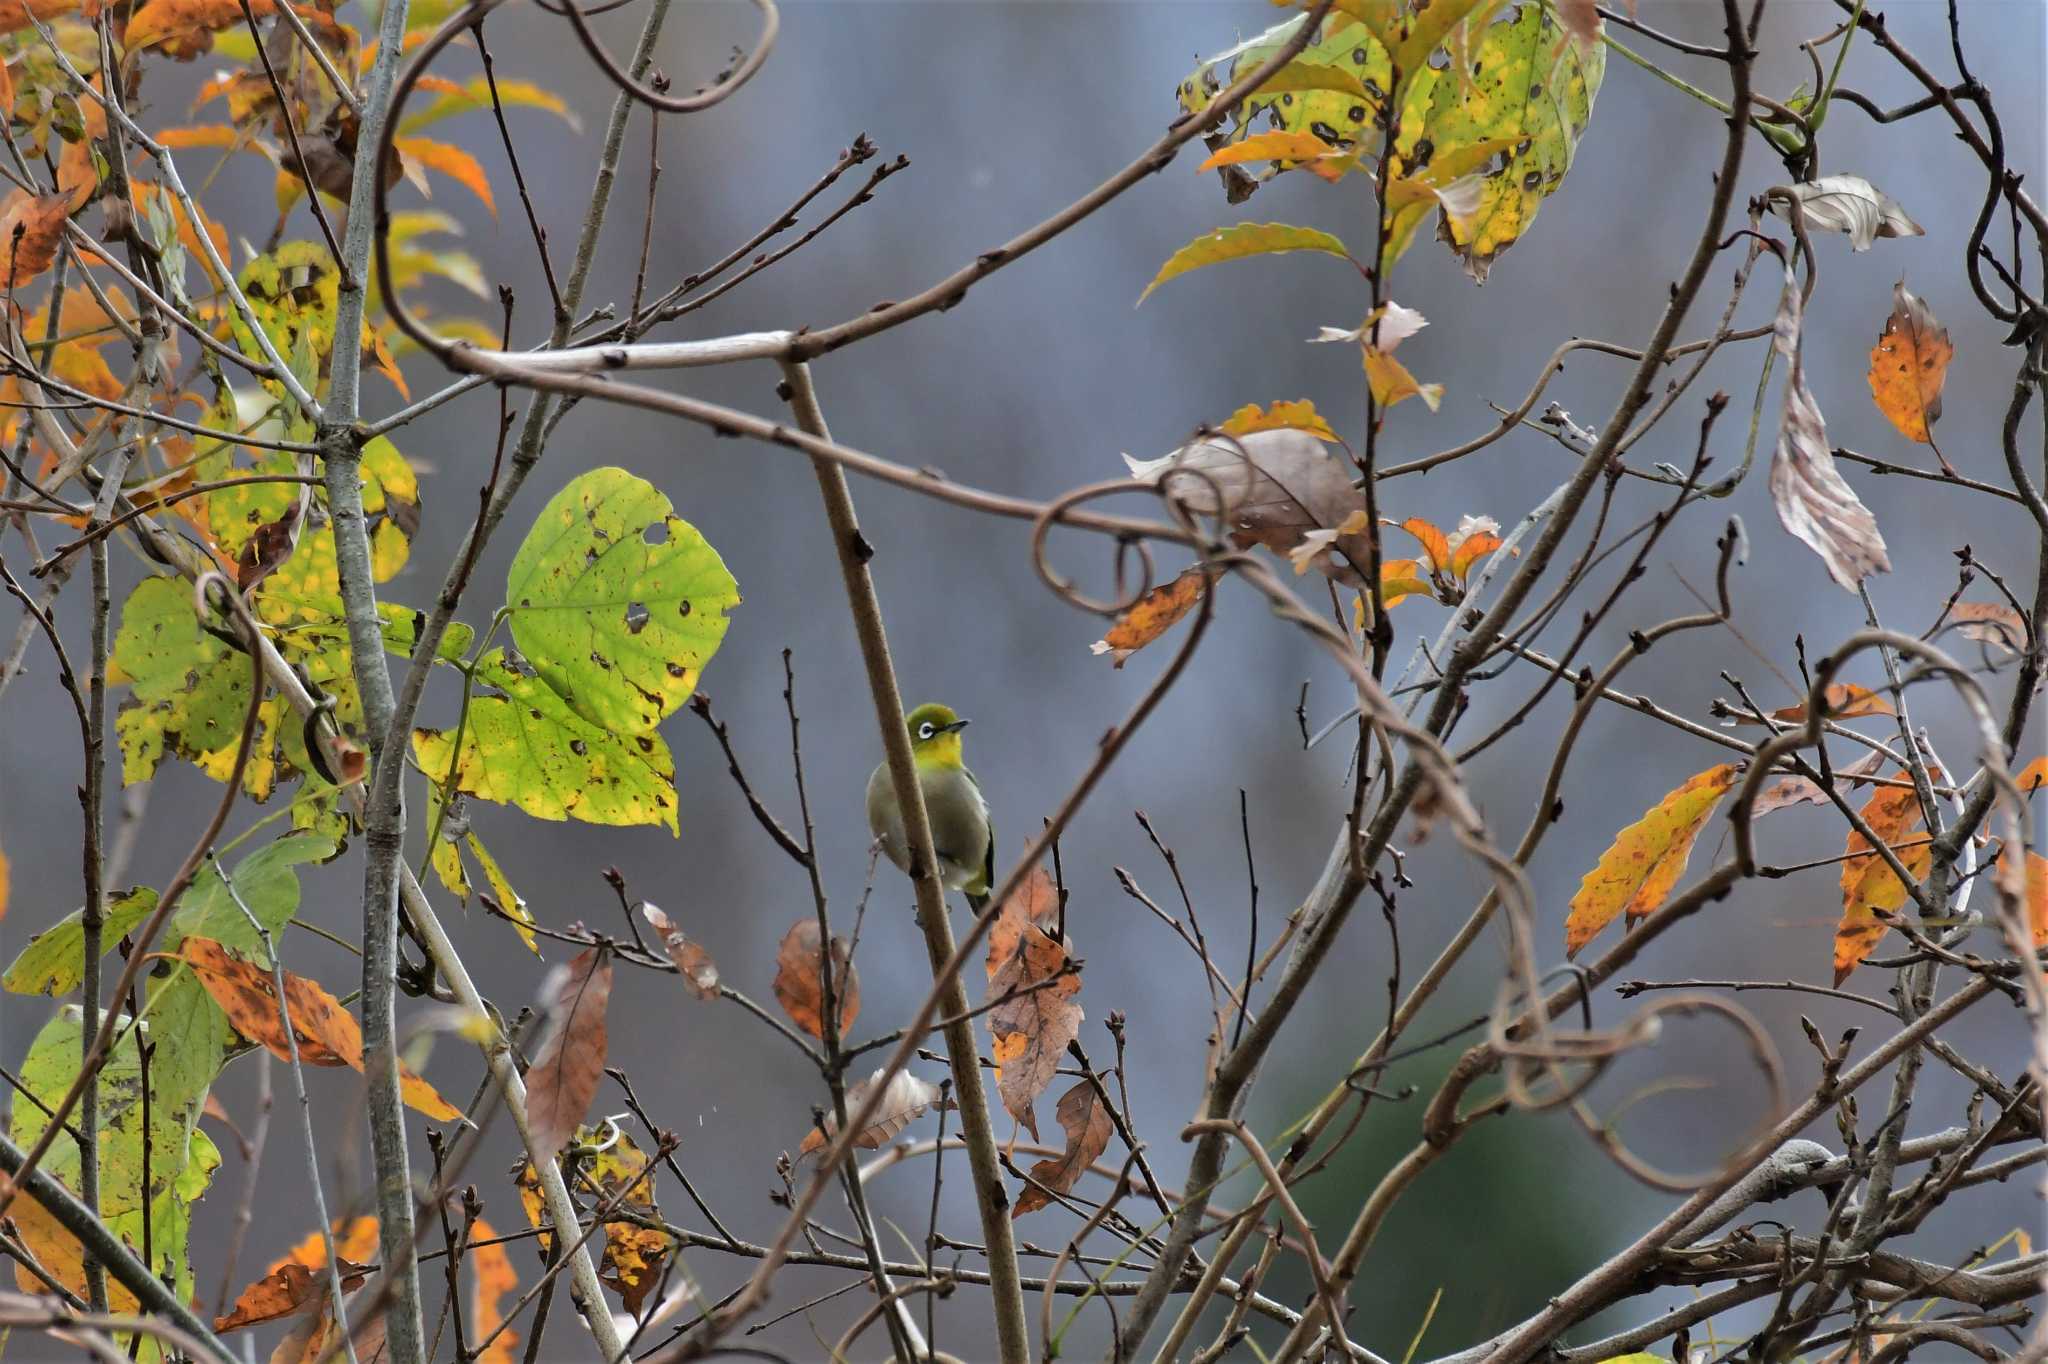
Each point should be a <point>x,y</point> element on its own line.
<point>1047,372</point>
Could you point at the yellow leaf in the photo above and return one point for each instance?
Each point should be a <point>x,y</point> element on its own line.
<point>1300,415</point>
<point>1908,366</point>
<point>1644,862</point>
<point>1435,543</point>
<point>1280,145</point>
<point>451,161</point>
<point>1236,243</point>
<point>1391,382</point>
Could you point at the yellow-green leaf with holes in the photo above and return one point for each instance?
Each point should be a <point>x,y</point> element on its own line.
<point>1334,89</point>
<point>617,602</point>
<point>189,688</point>
<point>1646,859</point>
<point>1523,80</point>
<point>53,962</point>
<point>524,746</point>
<point>1240,242</point>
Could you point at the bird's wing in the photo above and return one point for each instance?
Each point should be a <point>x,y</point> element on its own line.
<point>979,895</point>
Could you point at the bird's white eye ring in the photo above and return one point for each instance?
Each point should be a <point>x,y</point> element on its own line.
<point>925,731</point>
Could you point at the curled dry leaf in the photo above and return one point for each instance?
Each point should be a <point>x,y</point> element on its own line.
<point>1151,616</point>
<point>1851,204</point>
<point>1275,487</point>
<point>1786,792</point>
<point>1909,365</point>
<point>564,1076</point>
<point>692,962</point>
<point>1990,622</point>
<point>1814,502</point>
<point>1385,328</point>
<point>1317,543</point>
<point>1840,701</point>
<point>287,1288</point>
<point>615,1167</point>
<point>800,983</point>
<point>903,1102</point>
<point>1391,382</point>
<point>1088,1127</point>
<point>1644,862</point>
<point>1869,885</point>
<point>1032,981</point>
<point>326,1033</point>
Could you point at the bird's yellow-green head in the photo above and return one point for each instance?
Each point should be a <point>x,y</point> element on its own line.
<point>935,735</point>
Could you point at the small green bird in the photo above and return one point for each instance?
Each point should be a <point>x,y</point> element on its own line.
<point>962,833</point>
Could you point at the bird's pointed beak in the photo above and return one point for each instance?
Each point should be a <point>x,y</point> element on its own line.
<point>955,727</point>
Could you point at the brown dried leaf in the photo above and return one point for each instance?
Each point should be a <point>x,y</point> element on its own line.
<point>1151,616</point>
<point>1275,486</point>
<point>692,962</point>
<point>800,983</point>
<point>1786,792</point>
<point>30,229</point>
<point>1842,701</point>
<point>903,1102</point>
<point>286,1289</point>
<point>1990,622</point>
<point>1035,980</point>
<point>1088,1126</point>
<point>1814,502</point>
<point>1851,204</point>
<point>564,1076</point>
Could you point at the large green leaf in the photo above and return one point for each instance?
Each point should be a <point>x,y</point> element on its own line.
<point>526,747</point>
<point>53,962</point>
<point>266,883</point>
<point>616,601</point>
<point>1526,80</point>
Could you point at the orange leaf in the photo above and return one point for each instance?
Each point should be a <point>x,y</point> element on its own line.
<point>2037,898</point>
<point>1300,415</point>
<point>1908,366</point>
<point>1471,550</point>
<point>289,1287</point>
<point>2033,776</point>
<point>1400,579</point>
<point>1088,1127</point>
<point>495,1278</point>
<point>14,14</point>
<point>1279,145</point>
<point>326,1033</point>
<point>30,229</point>
<point>1644,862</point>
<point>452,162</point>
<point>699,972</point>
<point>1152,616</point>
<point>800,979</point>
<point>564,1076</point>
<point>1990,622</point>
<point>1032,984</point>
<point>1842,701</point>
<point>1868,882</point>
<point>1435,543</point>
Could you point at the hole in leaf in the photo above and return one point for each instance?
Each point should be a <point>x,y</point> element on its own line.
<point>636,617</point>
<point>656,533</point>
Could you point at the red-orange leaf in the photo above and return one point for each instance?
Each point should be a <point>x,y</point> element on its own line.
<point>1435,544</point>
<point>1644,862</point>
<point>1032,983</point>
<point>565,1073</point>
<point>1843,701</point>
<point>1908,366</point>
<point>31,226</point>
<point>290,1287</point>
<point>495,1280</point>
<point>2033,776</point>
<point>800,979</point>
<point>1152,616</point>
<point>14,14</point>
<point>1088,1127</point>
<point>1868,882</point>
<point>326,1033</point>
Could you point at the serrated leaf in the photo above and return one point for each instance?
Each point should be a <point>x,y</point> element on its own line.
<point>1240,243</point>
<point>1644,862</point>
<point>617,623</point>
<point>1298,415</point>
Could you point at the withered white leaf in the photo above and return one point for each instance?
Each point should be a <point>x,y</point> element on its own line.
<point>1814,502</point>
<point>1851,204</point>
<point>1396,323</point>
<point>1276,487</point>
<point>903,1102</point>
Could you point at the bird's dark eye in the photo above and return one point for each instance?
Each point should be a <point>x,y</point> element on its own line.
<point>924,731</point>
